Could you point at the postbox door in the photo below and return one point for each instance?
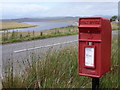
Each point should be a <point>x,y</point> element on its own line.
<point>89,58</point>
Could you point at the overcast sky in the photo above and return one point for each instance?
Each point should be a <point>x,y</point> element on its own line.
<point>37,9</point>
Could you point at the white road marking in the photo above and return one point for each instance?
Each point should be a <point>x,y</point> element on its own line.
<point>23,50</point>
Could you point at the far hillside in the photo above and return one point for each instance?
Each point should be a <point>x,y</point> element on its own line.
<point>45,19</point>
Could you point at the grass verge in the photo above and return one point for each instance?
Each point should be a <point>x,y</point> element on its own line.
<point>10,37</point>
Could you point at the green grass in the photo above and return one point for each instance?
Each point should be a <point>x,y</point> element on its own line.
<point>115,29</point>
<point>27,38</point>
<point>59,69</point>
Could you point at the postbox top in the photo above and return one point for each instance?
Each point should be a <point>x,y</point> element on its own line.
<point>94,22</point>
<point>94,18</point>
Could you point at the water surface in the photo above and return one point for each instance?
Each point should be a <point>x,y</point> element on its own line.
<point>42,26</point>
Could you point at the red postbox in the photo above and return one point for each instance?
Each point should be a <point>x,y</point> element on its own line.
<point>94,46</point>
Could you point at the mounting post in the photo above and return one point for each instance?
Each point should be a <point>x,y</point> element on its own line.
<point>95,83</point>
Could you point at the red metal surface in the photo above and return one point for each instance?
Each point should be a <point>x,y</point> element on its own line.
<point>98,31</point>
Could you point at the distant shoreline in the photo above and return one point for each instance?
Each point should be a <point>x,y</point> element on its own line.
<point>14,25</point>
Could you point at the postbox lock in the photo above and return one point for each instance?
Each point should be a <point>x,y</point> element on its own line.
<point>89,43</point>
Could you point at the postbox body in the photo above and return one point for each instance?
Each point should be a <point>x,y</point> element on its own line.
<point>94,51</point>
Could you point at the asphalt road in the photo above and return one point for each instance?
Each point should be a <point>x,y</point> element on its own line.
<point>16,52</point>
<point>9,50</point>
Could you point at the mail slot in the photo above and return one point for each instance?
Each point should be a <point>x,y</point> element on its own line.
<point>94,47</point>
